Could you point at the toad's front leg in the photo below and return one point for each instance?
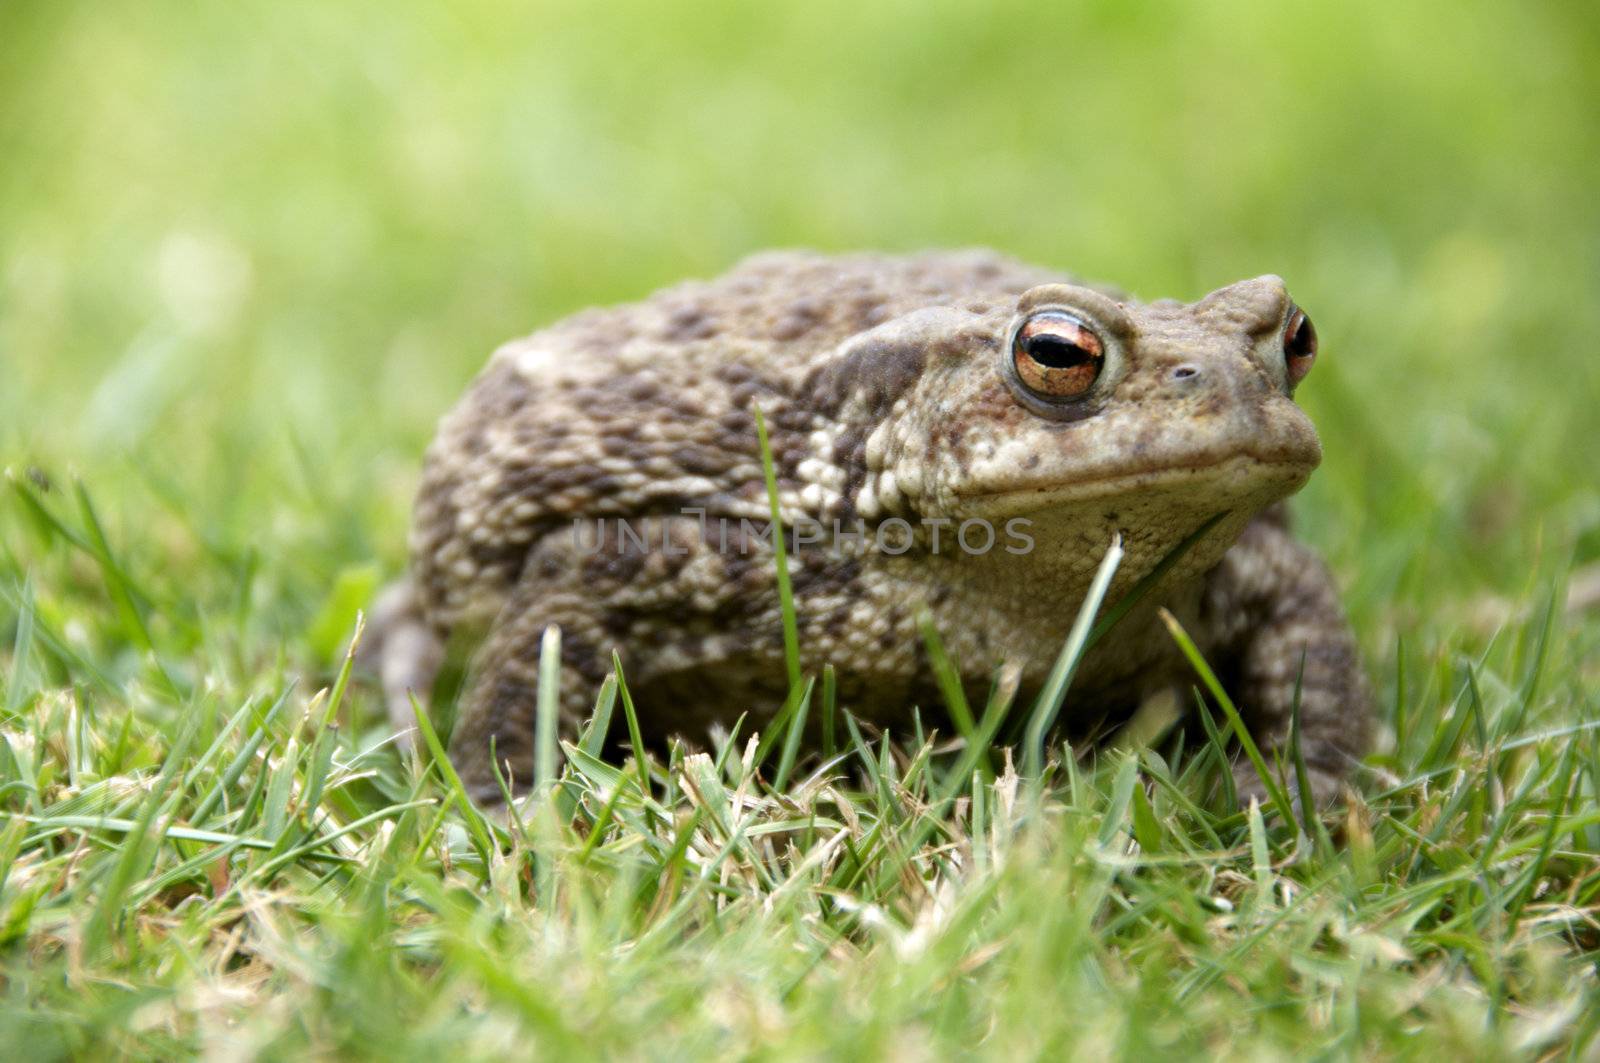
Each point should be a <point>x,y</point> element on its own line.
<point>1275,626</point>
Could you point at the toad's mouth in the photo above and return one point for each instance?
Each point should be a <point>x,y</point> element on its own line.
<point>1244,479</point>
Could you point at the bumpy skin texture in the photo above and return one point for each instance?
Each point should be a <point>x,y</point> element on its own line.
<point>884,383</point>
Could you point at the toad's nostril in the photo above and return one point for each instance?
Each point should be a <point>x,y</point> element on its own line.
<point>1185,372</point>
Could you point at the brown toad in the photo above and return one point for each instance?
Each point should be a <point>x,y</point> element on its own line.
<point>955,433</point>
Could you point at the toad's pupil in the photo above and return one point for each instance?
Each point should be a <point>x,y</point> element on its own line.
<point>1301,339</point>
<point>1056,352</point>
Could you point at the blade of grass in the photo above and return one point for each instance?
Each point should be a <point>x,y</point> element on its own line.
<point>791,632</point>
<point>948,678</point>
<point>779,726</point>
<point>1274,790</point>
<point>1562,793</point>
<point>830,710</point>
<point>1401,710</point>
<point>634,734</point>
<point>1115,819</point>
<point>1260,859</point>
<point>452,781</point>
<point>1530,686</point>
<point>123,590</point>
<point>1124,605</point>
<point>791,740</point>
<point>320,757</point>
<point>1310,822</point>
<point>61,648</point>
<point>241,760</point>
<point>42,516</point>
<point>593,738</point>
<point>730,744</point>
<point>121,825</point>
<point>1048,705</point>
<point>21,650</point>
<point>108,912</point>
<point>591,742</point>
<point>547,709</point>
<point>265,869</point>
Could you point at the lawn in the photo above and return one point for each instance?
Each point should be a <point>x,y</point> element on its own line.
<point>250,253</point>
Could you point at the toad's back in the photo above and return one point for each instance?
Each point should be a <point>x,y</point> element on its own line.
<point>645,408</point>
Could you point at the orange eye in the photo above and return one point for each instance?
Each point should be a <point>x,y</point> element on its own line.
<point>1299,346</point>
<point>1056,356</point>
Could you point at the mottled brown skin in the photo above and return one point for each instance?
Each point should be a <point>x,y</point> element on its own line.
<point>884,383</point>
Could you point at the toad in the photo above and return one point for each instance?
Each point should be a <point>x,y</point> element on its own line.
<point>955,435</point>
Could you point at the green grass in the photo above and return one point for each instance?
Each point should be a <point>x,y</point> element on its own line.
<point>247,257</point>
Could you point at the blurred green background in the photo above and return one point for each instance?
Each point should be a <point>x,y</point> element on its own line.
<point>249,253</point>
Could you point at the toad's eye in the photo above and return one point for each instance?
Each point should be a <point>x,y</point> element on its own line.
<point>1299,346</point>
<point>1057,356</point>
